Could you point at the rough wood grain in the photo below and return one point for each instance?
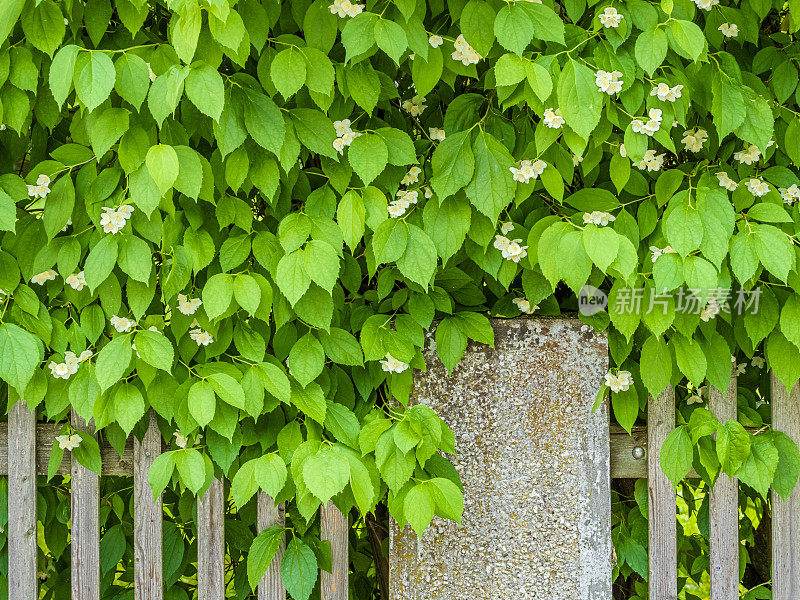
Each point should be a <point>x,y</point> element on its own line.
<point>271,586</point>
<point>663,578</point>
<point>21,466</point>
<point>148,577</point>
<point>211,543</point>
<point>786,515</point>
<point>334,528</point>
<point>85,532</point>
<point>724,511</point>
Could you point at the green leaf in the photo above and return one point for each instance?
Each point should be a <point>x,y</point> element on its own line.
<point>288,71</point>
<point>733,446</point>
<point>601,245</point>
<point>160,473</point>
<point>155,349</point>
<point>676,455</point>
<point>10,10</point>
<point>306,359</point>
<point>299,569</point>
<point>391,38</point>
<point>162,163</point>
<point>292,277</point>
<point>113,361</point>
<point>651,49</point>
<point>655,365</point>
<point>261,553</point>
<point>326,473</point>
<point>59,205</point>
<point>759,468</point>
<point>264,122</point>
<point>311,400</point>
<point>390,240</point>
<point>358,34</point>
<point>514,29</point>
<point>342,347</point>
<point>727,105</point>
<point>788,469</point>
<point>217,294</point>
<point>450,343</point>
<point>205,89</point>
<point>368,155</point>
<point>247,292</point>
<point>579,99</point>
<point>492,186</point>
<point>95,80</point>
<point>475,25</point>
<point>418,507</point>
<point>128,406</point>
<point>191,468</point>
<point>419,260</point>
<point>453,164</point>
<point>20,353</point>
<point>62,70</point>
<point>686,38</point>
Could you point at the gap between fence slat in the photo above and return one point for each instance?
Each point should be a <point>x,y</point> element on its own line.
<point>22,568</point>
<point>271,586</point>
<point>663,578</point>
<point>211,543</point>
<point>85,531</point>
<point>786,515</point>
<point>724,511</point>
<point>334,529</point>
<point>148,577</point>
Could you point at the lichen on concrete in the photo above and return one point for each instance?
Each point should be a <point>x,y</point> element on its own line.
<point>534,462</point>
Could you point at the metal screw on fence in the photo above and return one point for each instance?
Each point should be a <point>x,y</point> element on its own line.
<point>638,452</point>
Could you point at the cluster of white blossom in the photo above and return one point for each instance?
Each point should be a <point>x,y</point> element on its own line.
<point>41,188</point>
<point>345,135</point>
<point>405,198</point>
<point>706,4</point>
<point>610,17</point>
<point>791,194</point>
<point>412,176</point>
<point>598,217</point>
<point>70,365</point>
<point>553,118</point>
<point>113,220</point>
<point>151,73</point>
<point>527,170</point>
<point>695,394</point>
<point>188,306</point>
<point>620,382</point>
<point>666,93</point>
<point>758,362</point>
<point>392,365</point>
<point>693,139</point>
<point>757,186</point>
<point>729,29</point>
<point>651,126</point>
<point>651,161</point>
<point>524,305</point>
<point>436,134</point>
<point>180,440</point>
<point>77,281</point>
<point>345,8</point>
<point>44,276</point>
<point>749,156</point>
<point>464,52</point>
<point>726,182</point>
<point>415,106</point>
<point>69,442</point>
<point>122,324</point>
<point>710,310</point>
<point>512,250</point>
<point>609,82</point>
<point>435,40</point>
<point>576,160</point>
<point>659,251</point>
<point>201,337</point>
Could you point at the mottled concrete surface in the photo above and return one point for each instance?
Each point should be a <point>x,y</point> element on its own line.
<point>535,466</point>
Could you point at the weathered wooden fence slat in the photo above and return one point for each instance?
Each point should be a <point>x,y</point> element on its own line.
<point>268,514</point>
<point>334,529</point>
<point>85,531</point>
<point>786,515</point>
<point>724,511</point>
<point>147,519</point>
<point>211,543</point>
<point>663,572</point>
<point>22,579</point>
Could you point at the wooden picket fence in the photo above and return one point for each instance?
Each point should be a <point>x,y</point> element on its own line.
<point>28,448</point>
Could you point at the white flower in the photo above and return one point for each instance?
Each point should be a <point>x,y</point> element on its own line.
<point>527,170</point>
<point>44,276</point>
<point>693,139</point>
<point>428,192</point>
<point>342,127</point>
<point>659,251</point>
<point>726,182</point>
<point>412,176</point>
<point>706,4</point>
<point>188,306</point>
<point>576,160</point>
<point>651,161</point>
<point>436,134</point>
<point>524,305</point>
<point>651,126</point>
<point>610,17</point>
<point>345,8</point>
<point>113,220</point>
<point>506,227</point>
<point>59,370</point>
<point>599,218</point>
<point>203,338</point>
<point>757,187</point>
<point>122,324</point>
<point>180,439</point>
<point>407,196</point>
<point>152,75</point>
<point>435,41</point>
<point>710,310</point>
<point>76,281</point>
<point>758,362</point>
<point>501,242</point>
<point>695,398</point>
<point>69,442</point>
<point>514,251</point>
<point>338,145</point>
<point>620,382</point>
<point>391,365</point>
<point>610,83</point>
<point>85,355</point>
<point>741,368</point>
<point>41,188</point>
<point>348,137</point>
<point>464,52</point>
<point>666,93</point>
<point>729,29</point>
<point>415,106</point>
<point>749,156</point>
<point>791,194</point>
<point>622,152</point>
<point>396,209</point>
<point>553,118</point>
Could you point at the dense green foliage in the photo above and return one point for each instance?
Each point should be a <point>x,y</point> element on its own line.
<point>246,214</point>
